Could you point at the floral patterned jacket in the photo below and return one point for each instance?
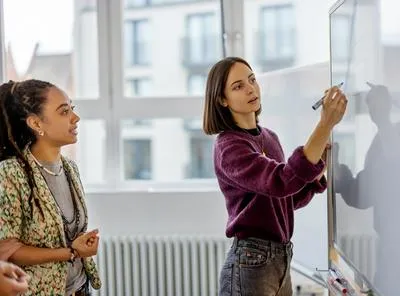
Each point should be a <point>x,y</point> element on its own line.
<point>37,222</point>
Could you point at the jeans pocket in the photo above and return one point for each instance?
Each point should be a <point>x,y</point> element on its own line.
<point>225,280</point>
<point>249,257</point>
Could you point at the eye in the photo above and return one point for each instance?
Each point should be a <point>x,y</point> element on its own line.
<point>237,87</point>
<point>73,107</point>
<point>252,79</point>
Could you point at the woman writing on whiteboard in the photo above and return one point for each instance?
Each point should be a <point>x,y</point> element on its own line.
<point>261,190</point>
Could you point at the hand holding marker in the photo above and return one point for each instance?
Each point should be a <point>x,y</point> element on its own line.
<point>321,100</point>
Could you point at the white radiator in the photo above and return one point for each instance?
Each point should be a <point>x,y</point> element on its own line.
<point>161,266</point>
<point>361,250</point>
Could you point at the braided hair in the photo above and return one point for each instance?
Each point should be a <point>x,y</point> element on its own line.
<point>18,100</point>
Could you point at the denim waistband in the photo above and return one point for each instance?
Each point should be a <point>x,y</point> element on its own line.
<point>261,244</point>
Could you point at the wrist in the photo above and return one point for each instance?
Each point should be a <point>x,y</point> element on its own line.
<point>323,125</point>
<point>73,254</point>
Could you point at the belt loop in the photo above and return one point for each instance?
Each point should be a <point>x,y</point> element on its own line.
<point>235,242</point>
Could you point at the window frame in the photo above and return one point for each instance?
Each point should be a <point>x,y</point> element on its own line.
<point>112,106</point>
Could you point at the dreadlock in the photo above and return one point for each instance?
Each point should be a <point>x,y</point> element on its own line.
<point>18,100</point>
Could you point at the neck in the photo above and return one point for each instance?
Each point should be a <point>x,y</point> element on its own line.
<point>45,153</point>
<point>246,122</point>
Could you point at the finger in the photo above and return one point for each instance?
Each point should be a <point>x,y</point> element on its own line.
<point>331,96</point>
<point>19,272</point>
<point>8,269</point>
<point>19,286</point>
<point>96,243</point>
<point>96,230</point>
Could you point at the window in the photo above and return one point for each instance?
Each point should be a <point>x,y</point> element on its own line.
<point>136,3</point>
<point>277,36</point>
<point>106,56</point>
<point>137,155</point>
<point>197,84</point>
<point>137,46</point>
<point>201,152</point>
<point>201,39</point>
<point>88,4</point>
<point>138,87</point>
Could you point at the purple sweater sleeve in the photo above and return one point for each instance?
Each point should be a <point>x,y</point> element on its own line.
<point>250,171</point>
<point>303,197</point>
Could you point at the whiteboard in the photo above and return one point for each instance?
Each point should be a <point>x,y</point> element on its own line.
<point>287,97</point>
<point>366,153</point>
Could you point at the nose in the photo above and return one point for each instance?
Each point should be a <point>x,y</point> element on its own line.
<point>250,88</point>
<point>75,118</point>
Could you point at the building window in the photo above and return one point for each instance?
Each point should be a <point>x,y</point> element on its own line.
<point>137,159</point>
<point>277,36</point>
<point>141,3</point>
<point>201,42</point>
<point>138,87</point>
<point>197,84</point>
<point>137,3</point>
<point>201,152</point>
<point>137,47</point>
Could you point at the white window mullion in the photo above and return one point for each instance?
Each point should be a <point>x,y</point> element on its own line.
<point>2,53</point>
<point>232,15</point>
<point>116,80</point>
<point>103,22</point>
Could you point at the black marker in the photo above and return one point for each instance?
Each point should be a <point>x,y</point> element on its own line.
<point>321,100</point>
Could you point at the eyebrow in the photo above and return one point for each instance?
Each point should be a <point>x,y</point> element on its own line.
<point>251,74</point>
<point>64,105</point>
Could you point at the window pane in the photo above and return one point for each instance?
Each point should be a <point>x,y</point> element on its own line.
<point>197,84</point>
<point>136,3</point>
<point>276,34</point>
<point>138,87</point>
<point>190,39</point>
<point>282,34</point>
<point>168,149</point>
<point>54,41</point>
<point>89,151</point>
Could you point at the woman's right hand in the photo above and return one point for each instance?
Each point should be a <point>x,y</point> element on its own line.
<point>13,280</point>
<point>86,244</point>
<point>334,107</point>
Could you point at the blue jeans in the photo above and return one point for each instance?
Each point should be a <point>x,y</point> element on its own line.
<point>256,267</point>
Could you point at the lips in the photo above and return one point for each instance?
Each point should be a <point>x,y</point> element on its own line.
<point>253,100</point>
<point>74,131</point>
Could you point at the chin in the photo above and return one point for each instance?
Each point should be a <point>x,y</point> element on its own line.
<point>71,141</point>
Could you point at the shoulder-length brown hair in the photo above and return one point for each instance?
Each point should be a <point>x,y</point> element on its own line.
<point>216,117</point>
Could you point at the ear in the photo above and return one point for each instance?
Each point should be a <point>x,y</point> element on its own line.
<point>33,121</point>
<point>223,102</point>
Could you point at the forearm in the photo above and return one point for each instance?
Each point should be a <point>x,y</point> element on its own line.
<point>27,255</point>
<point>316,144</point>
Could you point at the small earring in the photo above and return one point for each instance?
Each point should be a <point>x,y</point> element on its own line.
<point>41,133</point>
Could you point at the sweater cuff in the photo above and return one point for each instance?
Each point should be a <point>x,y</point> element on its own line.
<point>320,185</point>
<point>303,168</point>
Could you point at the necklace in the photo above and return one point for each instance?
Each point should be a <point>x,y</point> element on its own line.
<point>46,169</point>
<point>259,140</point>
<point>71,228</point>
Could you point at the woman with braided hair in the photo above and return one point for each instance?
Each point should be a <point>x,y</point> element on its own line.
<point>43,217</point>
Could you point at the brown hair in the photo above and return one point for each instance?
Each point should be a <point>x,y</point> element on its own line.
<point>217,118</point>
